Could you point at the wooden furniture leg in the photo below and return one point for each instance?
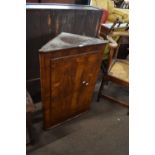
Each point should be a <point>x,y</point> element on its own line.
<point>104,81</point>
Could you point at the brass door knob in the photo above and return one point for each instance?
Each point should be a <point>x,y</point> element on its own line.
<point>83,82</point>
<point>87,84</point>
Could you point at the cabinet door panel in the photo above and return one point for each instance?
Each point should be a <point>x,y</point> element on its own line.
<point>65,82</point>
<point>89,77</point>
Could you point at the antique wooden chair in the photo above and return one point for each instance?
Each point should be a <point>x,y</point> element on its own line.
<point>109,28</point>
<point>117,70</point>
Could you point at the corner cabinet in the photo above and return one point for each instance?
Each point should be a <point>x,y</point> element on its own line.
<point>69,66</point>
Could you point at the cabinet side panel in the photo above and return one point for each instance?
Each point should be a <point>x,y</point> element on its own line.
<point>45,87</point>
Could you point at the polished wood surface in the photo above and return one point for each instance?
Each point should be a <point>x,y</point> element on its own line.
<point>68,78</point>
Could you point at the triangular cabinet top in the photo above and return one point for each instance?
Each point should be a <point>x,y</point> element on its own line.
<point>67,40</point>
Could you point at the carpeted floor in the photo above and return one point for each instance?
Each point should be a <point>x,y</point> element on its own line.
<point>103,130</point>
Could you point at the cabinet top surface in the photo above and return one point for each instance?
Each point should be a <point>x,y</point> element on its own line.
<point>67,40</point>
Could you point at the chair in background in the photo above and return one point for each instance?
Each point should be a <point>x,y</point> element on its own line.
<point>109,28</point>
<point>117,70</point>
<point>117,25</point>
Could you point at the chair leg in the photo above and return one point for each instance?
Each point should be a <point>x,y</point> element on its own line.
<point>100,89</point>
<point>101,94</point>
<point>115,100</point>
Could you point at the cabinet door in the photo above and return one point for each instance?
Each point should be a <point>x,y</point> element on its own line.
<point>65,81</point>
<point>88,80</point>
<point>69,93</point>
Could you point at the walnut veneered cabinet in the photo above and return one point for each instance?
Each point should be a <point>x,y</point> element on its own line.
<point>69,65</point>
